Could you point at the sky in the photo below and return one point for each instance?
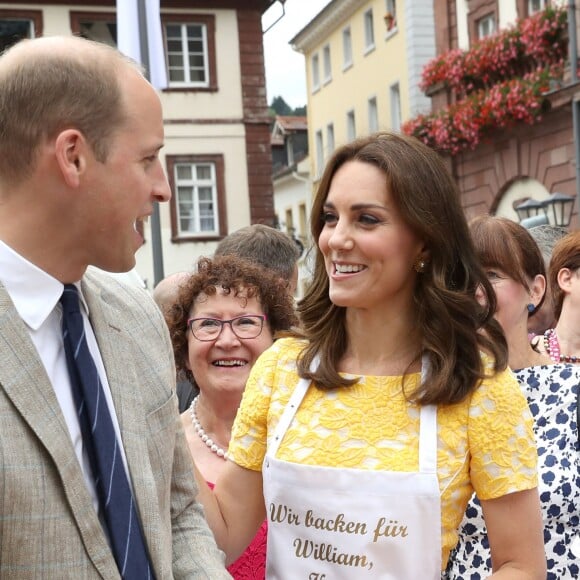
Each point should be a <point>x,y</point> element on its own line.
<point>285,68</point>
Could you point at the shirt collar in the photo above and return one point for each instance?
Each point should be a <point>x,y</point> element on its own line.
<point>33,292</point>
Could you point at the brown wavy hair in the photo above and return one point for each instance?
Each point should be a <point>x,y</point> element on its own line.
<point>504,244</point>
<point>234,276</point>
<point>566,254</point>
<point>454,327</point>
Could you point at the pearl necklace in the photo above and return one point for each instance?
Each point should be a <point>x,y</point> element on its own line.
<point>202,434</point>
<point>552,347</point>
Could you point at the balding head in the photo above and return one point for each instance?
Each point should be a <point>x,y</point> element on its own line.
<point>67,47</point>
<point>166,292</point>
<point>52,83</point>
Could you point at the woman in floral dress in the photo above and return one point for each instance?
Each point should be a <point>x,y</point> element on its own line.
<point>516,270</point>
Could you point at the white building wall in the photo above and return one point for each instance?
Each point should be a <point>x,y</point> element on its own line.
<point>508,13</point>
<point>226,140</point>
<point>420,31</point>
<point>462,30</point>
<point>290,191</point>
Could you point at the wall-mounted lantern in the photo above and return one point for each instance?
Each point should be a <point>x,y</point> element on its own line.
<point>556,209</point>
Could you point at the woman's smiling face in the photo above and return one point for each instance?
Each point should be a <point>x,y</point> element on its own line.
<point>368,249</point>
<point>225,363</point>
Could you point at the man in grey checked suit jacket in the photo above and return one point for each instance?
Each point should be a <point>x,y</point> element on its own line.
<point>80,134</point>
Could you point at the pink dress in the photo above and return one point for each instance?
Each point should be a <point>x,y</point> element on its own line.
<point>251,565</point>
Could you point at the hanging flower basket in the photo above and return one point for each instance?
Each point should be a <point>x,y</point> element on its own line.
<point>464,125</point>
<point>501,81</point>
<point>531,43</point>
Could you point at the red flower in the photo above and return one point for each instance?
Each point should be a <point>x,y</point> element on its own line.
<point>502,80</point>
<point>535,41</point>
<point>465,124</point>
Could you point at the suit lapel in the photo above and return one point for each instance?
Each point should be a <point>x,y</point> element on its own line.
<point>25,382</point>
<point>117,348</point>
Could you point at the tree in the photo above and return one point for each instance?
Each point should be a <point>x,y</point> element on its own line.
<point>280,106</point>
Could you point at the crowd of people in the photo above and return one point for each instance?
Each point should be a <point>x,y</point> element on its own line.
<point>515,266</point>
<point>414,415</point>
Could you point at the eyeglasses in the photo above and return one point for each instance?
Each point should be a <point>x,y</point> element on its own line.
<point>244,327</point>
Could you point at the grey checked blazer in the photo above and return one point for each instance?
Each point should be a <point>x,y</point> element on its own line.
<point>48,527</point>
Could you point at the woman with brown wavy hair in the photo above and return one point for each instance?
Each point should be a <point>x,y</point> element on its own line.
<point>515,267</point>
<point>367,432</point>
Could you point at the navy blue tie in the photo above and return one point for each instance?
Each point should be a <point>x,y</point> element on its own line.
<point>113,491</point>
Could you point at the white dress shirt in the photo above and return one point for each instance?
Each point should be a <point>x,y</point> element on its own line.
<point>36,296</point>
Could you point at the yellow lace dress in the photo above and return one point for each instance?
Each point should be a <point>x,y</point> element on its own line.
<point>485,443</point>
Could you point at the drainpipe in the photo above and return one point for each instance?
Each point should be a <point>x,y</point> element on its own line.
<point>573,50</point>
<point>156,240</point>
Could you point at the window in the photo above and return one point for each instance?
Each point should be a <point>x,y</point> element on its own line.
<point>189,45</point>
<point>350,126</point>
<point>330,139</point>
<point>395,99</point>
<point>190,51</point>
<point>369,31</point>
<point>535,6</point>
<point>196,197</point>
<point>315,73</point>
<point>346,48</point>
<point>391,15</point>
<point>327,64</point>
<point>319,153</point>
<point>289,222</point>
<point>97,26</point>
<point>187,54</point>
<point>290,151</point>
<point>18,24</point>
<point>198,201</point>
<point>303,220</point>
<point>373,115</point>
<point>485,26</point>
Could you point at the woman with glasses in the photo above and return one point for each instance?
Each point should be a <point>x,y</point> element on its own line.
<point>515,267</point>
<point>363,436</point>
<point>226,315</point>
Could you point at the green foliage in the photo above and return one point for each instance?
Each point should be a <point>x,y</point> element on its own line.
<point>279,106</point>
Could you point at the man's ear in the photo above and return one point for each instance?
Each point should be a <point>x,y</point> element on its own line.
<point>70,151</point>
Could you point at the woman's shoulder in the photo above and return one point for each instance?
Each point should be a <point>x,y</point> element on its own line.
<point>497,384</point>
<point>287,348</point>
<point>282,355</point>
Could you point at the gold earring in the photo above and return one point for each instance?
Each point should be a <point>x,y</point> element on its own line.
<point>419,265</point>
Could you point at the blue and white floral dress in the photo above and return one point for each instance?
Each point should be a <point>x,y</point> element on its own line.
<point>552,393</point>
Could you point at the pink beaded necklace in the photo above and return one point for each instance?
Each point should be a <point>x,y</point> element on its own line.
<point>552,347</point>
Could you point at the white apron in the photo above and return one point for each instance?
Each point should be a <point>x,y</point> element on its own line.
<point>327,523</point>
